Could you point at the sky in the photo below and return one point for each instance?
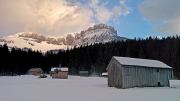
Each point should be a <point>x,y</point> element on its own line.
<point>131,18</point>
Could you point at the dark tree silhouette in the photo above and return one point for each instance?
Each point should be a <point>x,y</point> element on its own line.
<point>17,61</point>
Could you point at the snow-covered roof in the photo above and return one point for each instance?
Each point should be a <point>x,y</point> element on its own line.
<point>141,62</point>
<point>34,69</point>
<point>61,69</point>
<point>104,74</point>
<point>53,68</point>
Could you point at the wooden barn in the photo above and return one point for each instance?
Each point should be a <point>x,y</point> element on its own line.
<point>124,72</point>
<point>35,71</point>
<point>59,73</point>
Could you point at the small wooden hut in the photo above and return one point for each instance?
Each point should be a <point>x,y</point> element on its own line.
<point>124,72</point>
<point>59,73</point>
<point>35,71</point>
<point>83,73</point>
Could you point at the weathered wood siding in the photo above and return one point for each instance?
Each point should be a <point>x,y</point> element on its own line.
<point>35,73</point>
<point>114,74</point>
<point>134,76</point>
<point>60,75</point>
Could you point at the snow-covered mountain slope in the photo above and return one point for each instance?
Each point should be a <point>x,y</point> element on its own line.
<point>21,42</point>
<point>100,33</point>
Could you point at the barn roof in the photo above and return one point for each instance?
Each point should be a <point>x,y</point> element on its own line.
<point>35,69</point>
<point>53,68</point>
<point>62,69</point>
<point>141,62</point>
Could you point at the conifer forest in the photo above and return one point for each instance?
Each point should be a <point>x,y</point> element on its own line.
<point>18,62</point>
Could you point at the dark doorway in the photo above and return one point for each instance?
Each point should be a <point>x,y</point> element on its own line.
<point>159,84</point>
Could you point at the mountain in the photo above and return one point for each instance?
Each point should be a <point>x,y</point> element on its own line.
<point>100,33</point>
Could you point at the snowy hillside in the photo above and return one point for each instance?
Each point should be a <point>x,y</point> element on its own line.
<point>100,33</point>
<point>21,42</point>
<point>31,88</point>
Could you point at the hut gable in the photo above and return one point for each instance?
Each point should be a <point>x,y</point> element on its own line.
<point>125,72</point>
<point>35,71</point>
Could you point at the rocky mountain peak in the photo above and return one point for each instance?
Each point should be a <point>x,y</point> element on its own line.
<point>100,33</point>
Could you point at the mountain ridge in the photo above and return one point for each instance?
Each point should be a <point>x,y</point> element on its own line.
<point>100,33</point>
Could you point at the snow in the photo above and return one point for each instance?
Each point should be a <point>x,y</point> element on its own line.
<point>101,34</point>
<point>52,69</point>
<point>141,62</point>
<point>96,32</point>
<point>62,69</point>
<point>175,83</point>
<point>35,69</point>
<point>104,74</point>
<point>21,43</point>
<point>75,88</point>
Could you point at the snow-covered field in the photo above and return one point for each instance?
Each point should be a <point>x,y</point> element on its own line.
<point>31,88</point>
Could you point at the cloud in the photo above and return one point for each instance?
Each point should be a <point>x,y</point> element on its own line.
<point>126,9</point>
<point>164,13</point>
<point>56,17</point>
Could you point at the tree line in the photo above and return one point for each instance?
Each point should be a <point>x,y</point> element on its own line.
<point>97,56</point>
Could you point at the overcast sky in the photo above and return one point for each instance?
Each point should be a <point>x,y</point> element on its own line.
<point>131,18</point>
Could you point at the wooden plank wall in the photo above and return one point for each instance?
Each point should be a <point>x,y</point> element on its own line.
<point>60,75</point>
<point>114,74</point>
<point>134,76</point>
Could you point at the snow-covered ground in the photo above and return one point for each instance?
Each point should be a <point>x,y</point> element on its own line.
<point>31,88</point>
<point>175,83</point>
